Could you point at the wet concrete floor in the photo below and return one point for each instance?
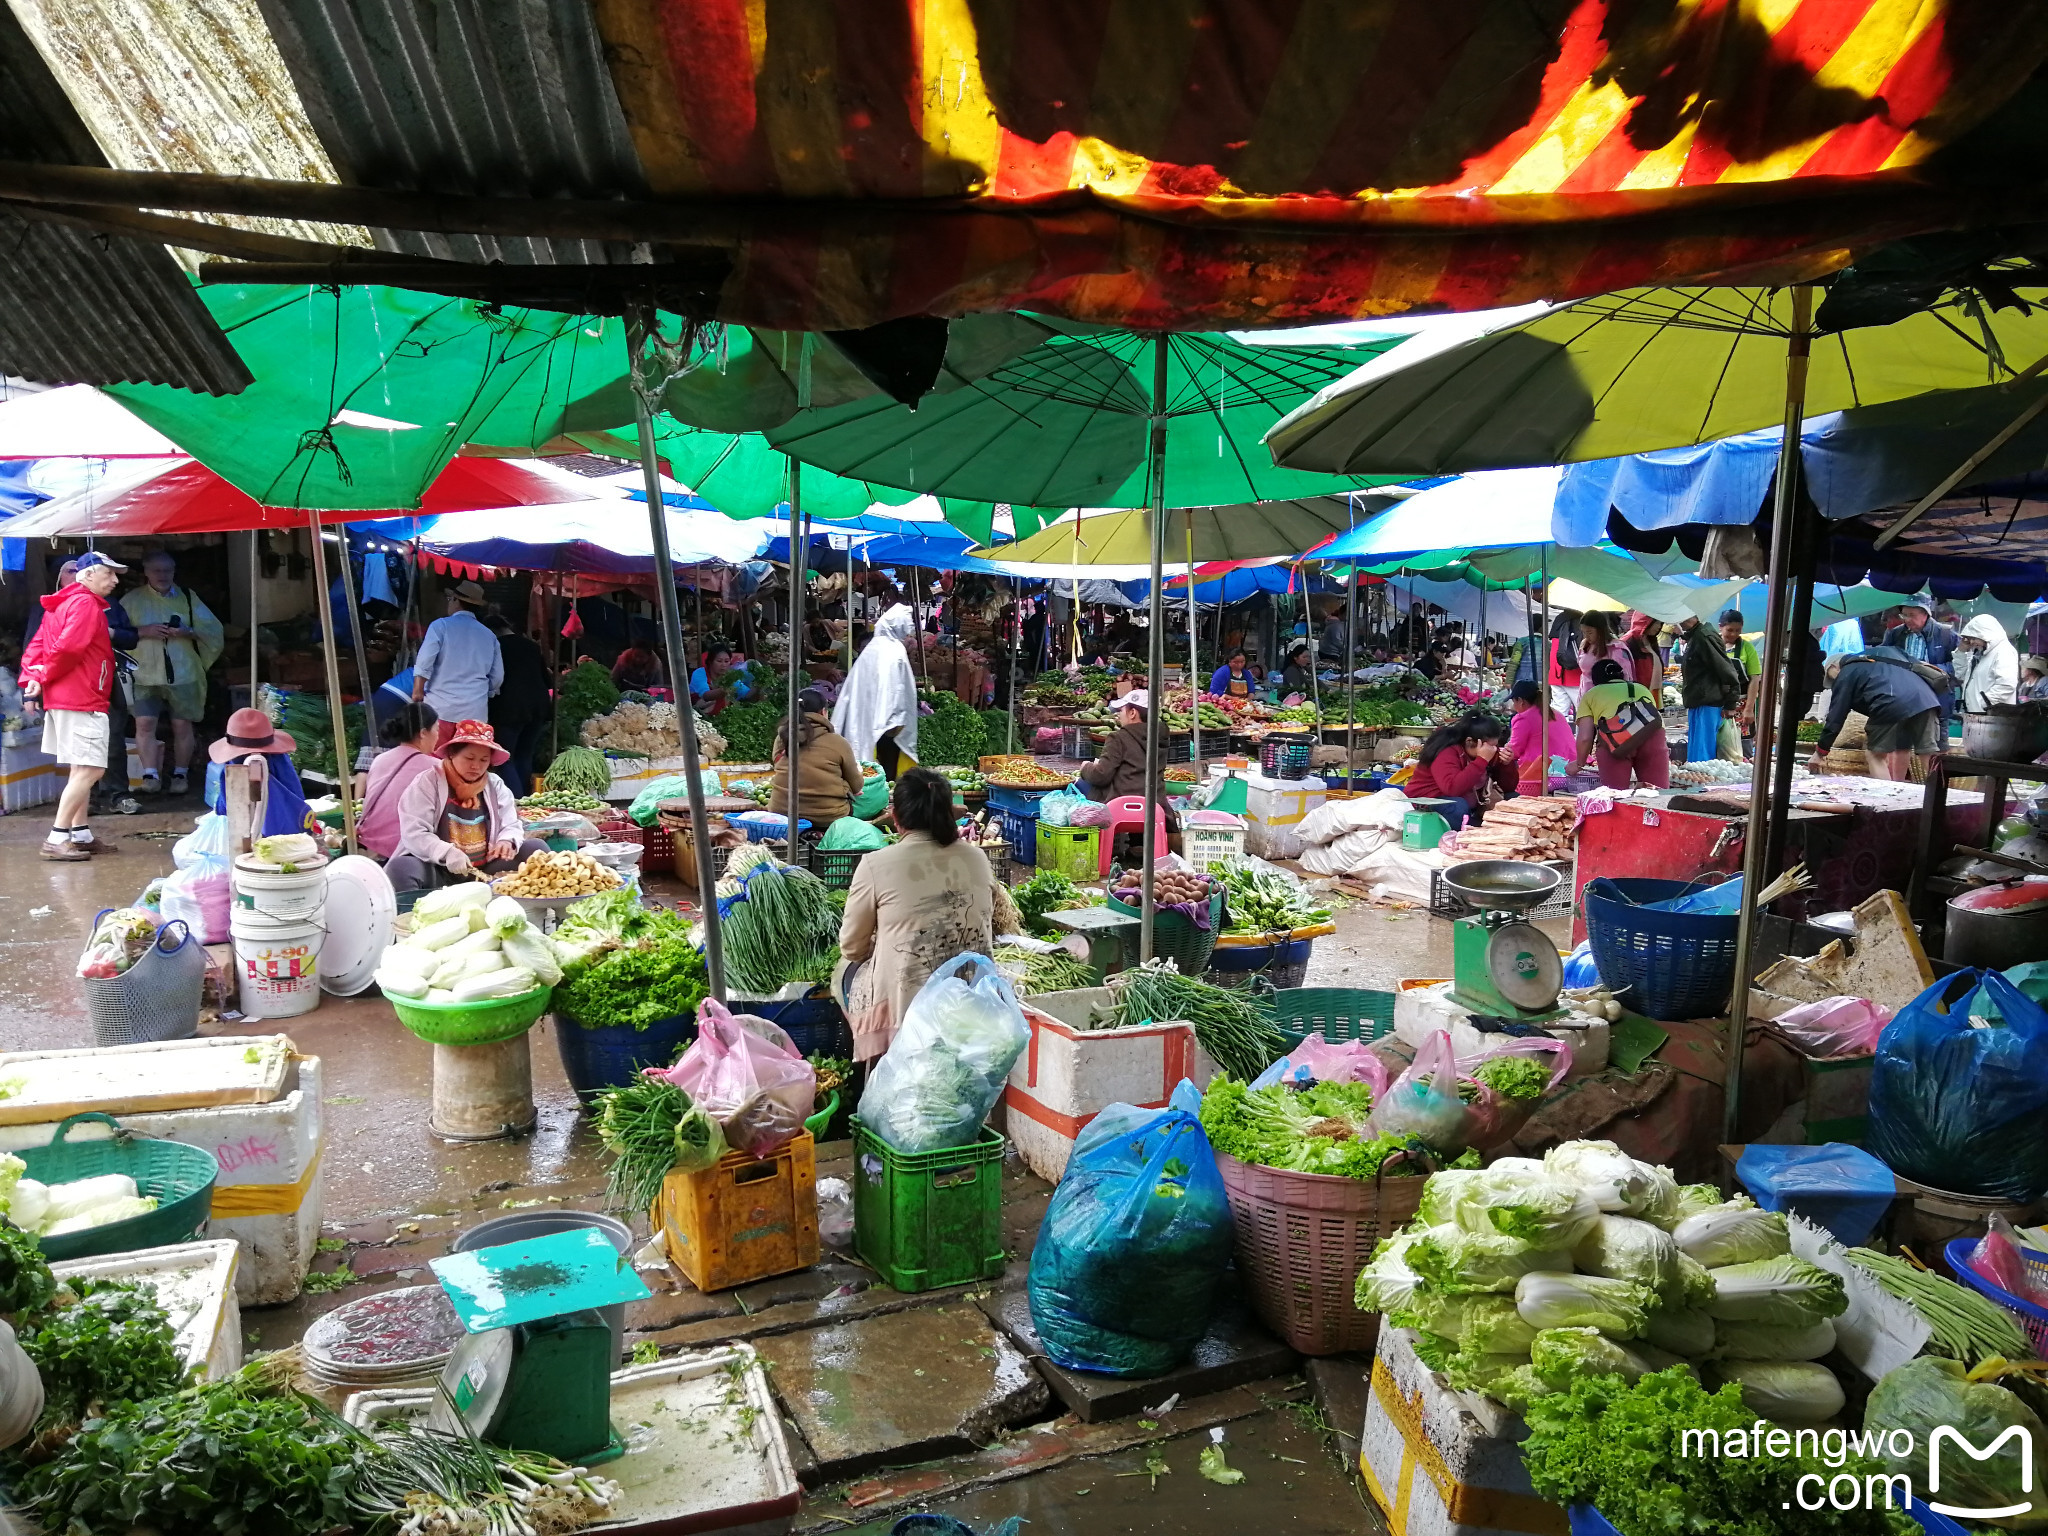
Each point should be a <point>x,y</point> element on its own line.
<point>384,1171</point>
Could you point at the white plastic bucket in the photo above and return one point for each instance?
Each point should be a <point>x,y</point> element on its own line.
<point>281,896</point>
<point>278,963</point>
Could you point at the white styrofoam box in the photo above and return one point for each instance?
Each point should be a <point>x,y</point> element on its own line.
<point>1068,1075</point>
<point>29,776</point>
<point>630,775</point>
<point>195,1284</point>
<point>270,1192</point>
<point>1878,1332</point>
<point>1423,1011</point>
<point>1439,1462</point>
<point>1274,810</point>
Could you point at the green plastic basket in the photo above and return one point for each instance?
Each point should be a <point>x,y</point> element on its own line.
<point>928,1219</point>
<point>480,1023</point>
<point>180,1178</point>
<point>1341,1013</point>
<point>818,1124</point>
<point>1176,938</point>
<point>1075,852</point>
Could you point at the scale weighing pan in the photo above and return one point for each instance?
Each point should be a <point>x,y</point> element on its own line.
<point>1503,885</point>
<point>540,1277</point>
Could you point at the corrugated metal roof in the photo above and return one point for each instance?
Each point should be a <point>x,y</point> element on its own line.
<point>499,98</point>
<point>184,85</point>
<point>81,307</point>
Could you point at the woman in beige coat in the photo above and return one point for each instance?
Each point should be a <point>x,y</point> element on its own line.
<point>913,907</point>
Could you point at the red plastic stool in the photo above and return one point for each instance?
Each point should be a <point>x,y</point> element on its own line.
<point>1126,814</point>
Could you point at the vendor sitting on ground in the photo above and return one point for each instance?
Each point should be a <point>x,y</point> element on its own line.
<point>409,737</point>
<point>1622,729</point>
<point>1119,768</point>
<point>913,906</point>
<point>461,819</point>
<point>1528,743</point>
<point>1903,712</point>
<point>1457,762</point>
<point>829,775</point>
<point>1297,674</point>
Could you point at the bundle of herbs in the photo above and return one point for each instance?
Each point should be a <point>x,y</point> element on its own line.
<point>778,921</point>
<point>649,1127</point>
<point>98,1342</point>
<point>1262,899</point>
<point>1229,1025</point>
<point>1046,891</point>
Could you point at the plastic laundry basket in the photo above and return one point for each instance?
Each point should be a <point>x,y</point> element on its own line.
<point>1175,937</point>
<point>2030,1315</point>
<point>1665,965</point>
<point>1337,1013</point>
<point>156,998</point>
<point>1302,1238</point>
<point>178,1177</point>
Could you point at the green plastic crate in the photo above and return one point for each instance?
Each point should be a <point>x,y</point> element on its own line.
<point>928,1219</point>
<point>1341,1013</point>
<point>1075,852</point>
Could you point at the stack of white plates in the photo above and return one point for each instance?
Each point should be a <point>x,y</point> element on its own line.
<point>398,1338</point>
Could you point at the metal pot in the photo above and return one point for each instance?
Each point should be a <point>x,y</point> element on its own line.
<point>2006,733</point>
<point>1998,926</point>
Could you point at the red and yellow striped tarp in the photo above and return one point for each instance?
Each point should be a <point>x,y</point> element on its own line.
<point>1264,162</point>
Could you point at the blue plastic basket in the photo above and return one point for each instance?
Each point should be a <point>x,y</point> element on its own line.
<point>757,833</point>
<point>1023,801</point>
<point>815,1023</point>
<point>1665,965</point>
<point>2033,1318</point>
<point>1021,828</point>
<point>1585,1520</point>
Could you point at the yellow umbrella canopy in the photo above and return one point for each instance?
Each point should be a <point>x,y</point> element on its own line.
<point>1247,531</point>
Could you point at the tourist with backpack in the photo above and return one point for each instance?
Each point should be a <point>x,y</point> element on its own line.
<point>1621,729</point>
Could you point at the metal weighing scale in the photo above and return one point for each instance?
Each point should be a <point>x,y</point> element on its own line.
<point>534,1372</point>
<point>1503,966</point>
<point>1105,932</point>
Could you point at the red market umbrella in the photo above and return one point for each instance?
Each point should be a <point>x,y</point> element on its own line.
<point>187,497</point>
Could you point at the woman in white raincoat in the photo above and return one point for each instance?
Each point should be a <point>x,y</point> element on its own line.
<point>1987,665</point>
<point>877,708</point>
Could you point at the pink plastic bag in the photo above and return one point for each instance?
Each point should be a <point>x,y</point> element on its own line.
<point>1835,1026</point>
<point>749,1076</point>
<point>1997,1258</point>
<point>1348,1061</point>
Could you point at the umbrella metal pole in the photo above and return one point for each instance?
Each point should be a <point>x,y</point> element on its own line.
<point>1195,688</point>
<point>1754,846</point>
<point>799,547</point>
<point>355,631</point>
<point>336,717</point>
<point>1543,669</point>
<point>640,324</point>
<point>1016,645</point>
<point>1792,705</point>
<point>255,596</point>
<point>1155,661</point>
<point>1350,676</point>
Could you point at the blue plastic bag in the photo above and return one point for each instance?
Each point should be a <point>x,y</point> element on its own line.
<point>1836,1186</point>
<point>1958,1108</point>
<point>1579,970</point>
<point>1134,1244</point>
<point>1723,900</point>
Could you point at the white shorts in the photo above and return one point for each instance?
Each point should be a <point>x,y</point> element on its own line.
<point>72,736</point>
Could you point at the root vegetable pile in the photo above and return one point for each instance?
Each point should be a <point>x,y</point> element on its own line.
<point>1529,827</point>
<point>1170,887</point>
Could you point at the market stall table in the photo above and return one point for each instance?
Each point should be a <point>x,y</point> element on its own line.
<point>1865,841</point>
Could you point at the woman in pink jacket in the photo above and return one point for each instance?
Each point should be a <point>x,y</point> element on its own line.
<point>460,819</point>
<point>409,740</point>
<point>1528,743</point>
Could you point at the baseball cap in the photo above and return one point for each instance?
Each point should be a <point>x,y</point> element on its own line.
<point>1137,698</point>
<point>93,557</point>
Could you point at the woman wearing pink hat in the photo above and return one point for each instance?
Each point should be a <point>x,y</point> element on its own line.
<point>460,819</point>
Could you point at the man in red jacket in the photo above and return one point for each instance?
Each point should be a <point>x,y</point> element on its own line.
<point>69,667</point>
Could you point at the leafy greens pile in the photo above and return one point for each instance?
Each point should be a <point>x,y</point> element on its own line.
<point>1618,1447</point>
<point>1321,1129</point>
<point>1044,892</point>
<point>1514,1077</point>
<point>1262,899</point>
<point>588,691</point>
<point>112,1343</point>
<point>638,965</point>
<point>953,734</point>
<point>749,731</point>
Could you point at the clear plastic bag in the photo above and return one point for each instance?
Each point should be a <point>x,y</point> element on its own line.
<point>947,1065</point>
<point>1424,1100</point>
<point>1835,1026</point>
<point>835,1213</point>
<point>1057,809</point>
<point>748,1074</point>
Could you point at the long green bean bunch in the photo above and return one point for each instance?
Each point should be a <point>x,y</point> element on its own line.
<point>1229,1025</point>
<point>1967,1327</point>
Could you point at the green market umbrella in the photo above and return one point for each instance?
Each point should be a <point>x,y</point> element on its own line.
<point>363,394</point>
<point>1101,418</point>
<point>1632,372</point>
